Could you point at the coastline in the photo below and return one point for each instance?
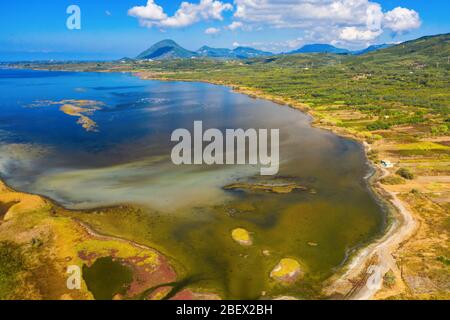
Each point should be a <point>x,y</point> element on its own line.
<point>399,231</point>
<point>362,276</point>
<point>370,262</point>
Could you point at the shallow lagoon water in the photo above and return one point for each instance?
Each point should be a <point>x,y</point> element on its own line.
<point>44,151</point>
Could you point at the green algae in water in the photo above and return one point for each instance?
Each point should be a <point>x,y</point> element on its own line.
<point>106,278</point>
<point>200,241</point>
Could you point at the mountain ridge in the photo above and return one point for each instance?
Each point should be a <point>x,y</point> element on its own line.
<point>169,49</point>
<point>374,47</point>
<point>320,48</point>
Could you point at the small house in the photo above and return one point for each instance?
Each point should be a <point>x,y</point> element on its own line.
<point>387,164</point>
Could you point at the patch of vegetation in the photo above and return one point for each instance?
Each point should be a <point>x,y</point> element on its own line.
<point>405,173</point>
<point>389,279</point>
<point>444,260</point>
<point>392,180</point>
<point>439,130</point>
<point>373,155</point>
<point>11,264</point>
<point>378,125</point>
<point>422,146</point>
<point>429,154</point>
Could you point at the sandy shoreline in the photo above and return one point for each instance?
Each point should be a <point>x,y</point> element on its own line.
<point>362,276</point>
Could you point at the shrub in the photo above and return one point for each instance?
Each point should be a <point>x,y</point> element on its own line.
<point>442,129</point>
<point>378,125</point>
<point>389,279</point>
<point>392,180</point>
<point>405,173</point>
<point>11,263</point>
<point>444,260</point>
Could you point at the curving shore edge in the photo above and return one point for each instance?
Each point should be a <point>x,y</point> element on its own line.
<point>363,273</point>
<point>361,277</point>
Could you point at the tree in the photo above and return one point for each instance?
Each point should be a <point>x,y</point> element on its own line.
<point>405,173</point>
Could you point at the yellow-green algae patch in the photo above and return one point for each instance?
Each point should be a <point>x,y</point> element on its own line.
<point>242,236</point>
<point>76,108</point>
<point>273,188</point>
<point>287,271</point>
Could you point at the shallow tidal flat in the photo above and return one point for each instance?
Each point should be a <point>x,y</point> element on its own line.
<point>225,229</point>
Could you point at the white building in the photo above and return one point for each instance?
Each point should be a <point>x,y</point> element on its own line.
<point>387,164</point>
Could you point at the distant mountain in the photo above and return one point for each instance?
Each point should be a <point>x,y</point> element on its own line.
<point>166,49</point>
<point>125,59</point>
<point>246,53</point>
<point>224,53</point>
<point>238,53</point>
<point>372,48</point>
<point>327,48</point>
<point>319,48</point>
<point>169,49</point>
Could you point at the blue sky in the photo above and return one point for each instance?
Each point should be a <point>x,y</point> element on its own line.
<point>34,29</point>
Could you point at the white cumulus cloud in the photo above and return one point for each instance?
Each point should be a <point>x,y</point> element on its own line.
<point>149,12</point>
<point>187,14</point>
<point>353,34</point>
<point>212,31</point>
<point>301,13</point>
<point>346,20</point>
<point>235,25</point>
<point>402,19</point>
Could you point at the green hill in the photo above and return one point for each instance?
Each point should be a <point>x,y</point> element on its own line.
<point>166,49</point>
<point>429,49</point>
<point>372,48</point>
